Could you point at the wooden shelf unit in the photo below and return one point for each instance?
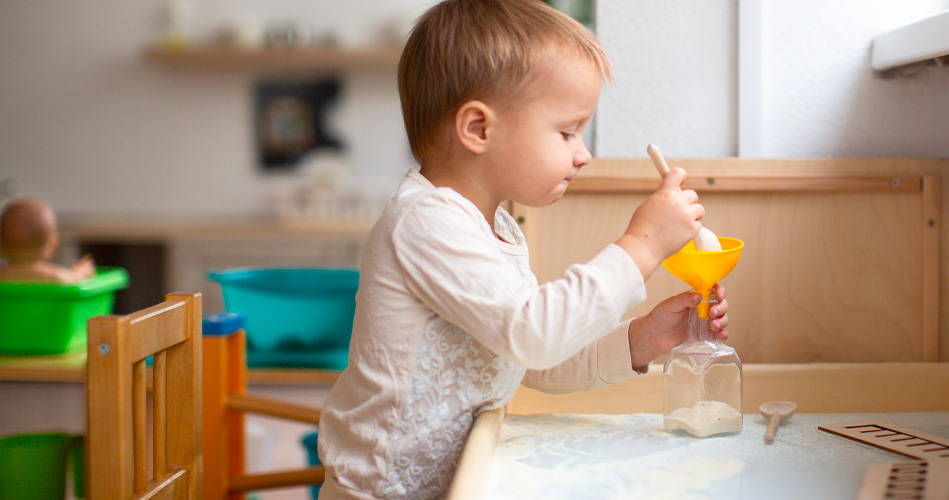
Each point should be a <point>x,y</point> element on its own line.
<point>289,60</point>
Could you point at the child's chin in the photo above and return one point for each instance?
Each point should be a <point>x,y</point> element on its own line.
<point>549,198</point>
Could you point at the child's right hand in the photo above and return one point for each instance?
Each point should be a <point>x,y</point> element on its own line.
<point>84,267</point>
<point>663,224</point>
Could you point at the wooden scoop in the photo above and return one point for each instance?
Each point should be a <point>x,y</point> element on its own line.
<point>653,151</point>
<point>706,239</point>
<point>777,413</point>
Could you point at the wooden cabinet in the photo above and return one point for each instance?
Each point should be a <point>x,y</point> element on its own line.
<point>175,254</point>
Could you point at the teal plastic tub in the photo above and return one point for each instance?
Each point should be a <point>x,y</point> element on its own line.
<point>50,318</point>
<point>310,443</point>
<point>294,316</point>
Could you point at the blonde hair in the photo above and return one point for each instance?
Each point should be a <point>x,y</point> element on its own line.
<point>461,50</point>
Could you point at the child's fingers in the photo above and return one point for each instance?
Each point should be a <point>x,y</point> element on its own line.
<point>673,180</point>
<point>690,196</point>
<point>681,302</point>
<point>720,309</point>
<point>719,324</point>
<point>693,208</point>
<point>719,314</point>
<point>697,211</point>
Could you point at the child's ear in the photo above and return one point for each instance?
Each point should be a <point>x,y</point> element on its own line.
<point>471,125</point>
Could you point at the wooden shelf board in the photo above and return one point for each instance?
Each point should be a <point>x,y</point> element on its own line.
<point>71,368</point>
<point>68,367</point>
<point>148,228</point>
<point>276,60</point>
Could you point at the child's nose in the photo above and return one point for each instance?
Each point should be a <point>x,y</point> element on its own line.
<point>582,157</point>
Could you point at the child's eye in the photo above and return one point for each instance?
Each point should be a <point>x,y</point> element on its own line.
<point>567,135</point>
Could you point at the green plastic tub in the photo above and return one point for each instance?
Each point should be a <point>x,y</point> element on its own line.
<point>50,318</point>
<point>33,466</point>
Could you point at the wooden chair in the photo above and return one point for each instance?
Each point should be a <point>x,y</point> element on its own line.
<point>116,402</point>
<point>225,403</point>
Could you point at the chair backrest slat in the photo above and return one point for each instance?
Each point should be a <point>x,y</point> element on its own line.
<point>157,329</point>
<point>159,401</point>
<point>139,428</point>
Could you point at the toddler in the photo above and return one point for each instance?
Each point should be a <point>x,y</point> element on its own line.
<point>28,239</point>
<point>449,319</point>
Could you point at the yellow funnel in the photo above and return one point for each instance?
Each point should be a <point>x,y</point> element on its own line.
<point>701,270</point>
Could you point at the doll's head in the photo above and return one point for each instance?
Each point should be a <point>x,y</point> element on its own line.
<point>27,232</point>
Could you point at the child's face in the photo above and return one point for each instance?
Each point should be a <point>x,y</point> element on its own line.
<point>539,143</point>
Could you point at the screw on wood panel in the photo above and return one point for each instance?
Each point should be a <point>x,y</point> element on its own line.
<point>895,182</point>
<point>932,222</point>
<point>710,180</point>
<point>104,348</point>
<point>520,219</point>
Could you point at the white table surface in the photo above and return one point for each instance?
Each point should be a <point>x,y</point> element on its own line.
<point>630,457</point>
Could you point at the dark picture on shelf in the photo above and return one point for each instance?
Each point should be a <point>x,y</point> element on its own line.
<point>291,121</point>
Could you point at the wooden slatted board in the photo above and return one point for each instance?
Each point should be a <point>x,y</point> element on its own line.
<point>927,478</point>
<point>841,260</point>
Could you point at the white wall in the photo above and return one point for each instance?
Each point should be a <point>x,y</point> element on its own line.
<point>88,125</point>
<point>676,81</point>
<point>822,99</point>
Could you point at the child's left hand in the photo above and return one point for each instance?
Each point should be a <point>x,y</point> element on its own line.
<point>666,326</point>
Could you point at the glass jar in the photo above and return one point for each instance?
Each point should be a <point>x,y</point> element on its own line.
<point>702,379</point>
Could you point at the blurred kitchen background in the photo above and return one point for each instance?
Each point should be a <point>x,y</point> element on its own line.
<point>177,136</point>
<point>143,132</point>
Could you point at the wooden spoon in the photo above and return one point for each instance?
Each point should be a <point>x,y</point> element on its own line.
<point>777,413</point>
<point>706,239</point>
<point>653,151</point>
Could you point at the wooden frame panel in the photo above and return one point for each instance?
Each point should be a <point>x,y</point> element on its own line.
<point>841,259</point>
<point>815,387</point>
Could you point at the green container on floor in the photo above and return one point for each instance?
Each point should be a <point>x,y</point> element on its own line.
<point>33,466</point>
<point>50,318</point>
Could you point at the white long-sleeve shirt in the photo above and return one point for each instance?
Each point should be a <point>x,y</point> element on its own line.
<point>449,321</point>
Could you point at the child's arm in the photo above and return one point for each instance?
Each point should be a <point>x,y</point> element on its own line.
<point>663,224</point>
<point>80,270</point>
<point>46,271</point>
<point>451,264</point>
<point>630,348</point>
<point>455,269</point>
<point>83,268</point>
